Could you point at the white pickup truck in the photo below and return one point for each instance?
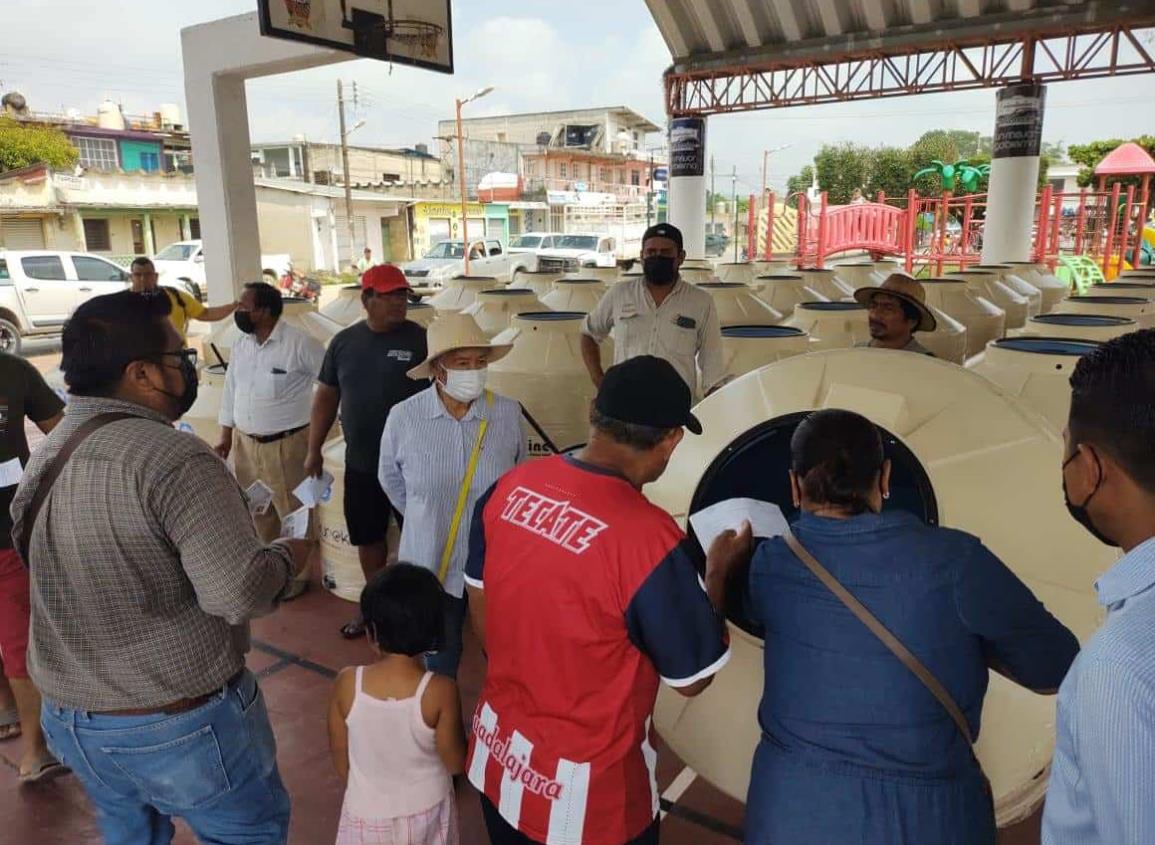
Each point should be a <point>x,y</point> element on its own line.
<point>570,253</point>
<point>39,290</point>
<point>486,258</point>
<point>182,264</point>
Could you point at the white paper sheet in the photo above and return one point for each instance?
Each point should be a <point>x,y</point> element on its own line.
<point>765,518</point>
<point>313,491</point>
<point>11,472</point>
<point>260,496</point>
<point>296,525</point>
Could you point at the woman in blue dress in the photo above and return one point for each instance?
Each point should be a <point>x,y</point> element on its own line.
<point>854,748</point>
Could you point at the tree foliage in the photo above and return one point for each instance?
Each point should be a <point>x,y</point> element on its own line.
<point>23,146</point>
<point>1089,156</point>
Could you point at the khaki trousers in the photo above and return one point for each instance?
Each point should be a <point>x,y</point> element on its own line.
<point>281,466</point>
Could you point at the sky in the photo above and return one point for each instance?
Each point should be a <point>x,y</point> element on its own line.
<point>538,54</point>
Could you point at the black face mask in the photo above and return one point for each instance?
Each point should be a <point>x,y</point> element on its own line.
<point>185,399</point>
<point>660,270</point>
<point>1079,512</point>
<point>244,321</point>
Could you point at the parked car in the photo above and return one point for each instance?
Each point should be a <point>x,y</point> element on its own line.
<point>39,290</point>
<point>182,264</point>
<point>447,259</point>
<point>716,244</point>
<point>572,252</point>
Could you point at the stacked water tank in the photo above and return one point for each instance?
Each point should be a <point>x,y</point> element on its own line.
<point>494,309</point>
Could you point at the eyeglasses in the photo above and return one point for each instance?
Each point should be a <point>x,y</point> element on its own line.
<point>189,355</point>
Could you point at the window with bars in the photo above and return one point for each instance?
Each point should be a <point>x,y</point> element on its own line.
<point>97,153</point>
<point>96,236</point>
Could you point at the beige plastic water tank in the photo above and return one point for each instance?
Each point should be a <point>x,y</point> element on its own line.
<point>1097,327</point>
<point>783,292</point>
<point>826,283</point>
<point>346,308</point>
<point>1145,272</point>
<point>984,320</point>
<point>494,309</point>
<point>984,456</point>
<point>857,274</point>
<point>697,272</point>
<point>1036,369</point>
<point>460,292</point>
<point>737,305</point>
<point>1138,308</point>
<point>340,566</point>
<point>986,284</point>
<point>831,325</point>
<point>948,341</point>
<point>1007,275</point>
<point>763,267</point>
<point>740,272</point>
<point>1124,288</point>
<point>201,418</point>
<point>422,313</point>
<point>746,348</point>
<point>539,281</point>
<point>225,333</point>
<point>574,295</point>
<point>1052,288</point>
<point>606,275</point>
<point>546,374</point>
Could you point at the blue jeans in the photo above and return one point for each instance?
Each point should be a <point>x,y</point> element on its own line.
<point>215,767</point>
<point>445,662</point>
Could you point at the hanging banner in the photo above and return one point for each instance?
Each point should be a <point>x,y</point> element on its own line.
<point>1019,121</point>
<point>687,146</point>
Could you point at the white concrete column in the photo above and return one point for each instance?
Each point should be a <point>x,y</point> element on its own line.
<point>149,240</point>
<point>185,227</point>
<point>686,198</point>
<point>1014,173</point>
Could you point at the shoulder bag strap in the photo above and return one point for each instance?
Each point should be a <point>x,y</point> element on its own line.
<point>879,630</point>
<point>549,444</point>
<point>48,479</point>
<point>463,495</point>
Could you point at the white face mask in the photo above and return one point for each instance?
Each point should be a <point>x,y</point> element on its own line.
<point>465,385</point>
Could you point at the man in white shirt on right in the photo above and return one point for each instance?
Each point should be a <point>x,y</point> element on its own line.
<point>660,314</point>
<point>265,409</point>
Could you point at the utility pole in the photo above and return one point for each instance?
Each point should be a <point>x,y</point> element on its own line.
<point>765,164</point>
<point>650,192</point>
<point>713,202</point>
<point>734,200</point>
<point>345,169</point>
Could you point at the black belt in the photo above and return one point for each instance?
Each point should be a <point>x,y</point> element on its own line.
<point>273,438</point>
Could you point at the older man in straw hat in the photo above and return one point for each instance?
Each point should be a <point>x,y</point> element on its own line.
<point>441,450</point>
<point>897,310</point>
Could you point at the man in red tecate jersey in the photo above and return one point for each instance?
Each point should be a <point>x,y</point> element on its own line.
<point>585,595</point>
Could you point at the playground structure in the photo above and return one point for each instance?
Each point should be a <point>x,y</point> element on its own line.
<point>1085,237</point>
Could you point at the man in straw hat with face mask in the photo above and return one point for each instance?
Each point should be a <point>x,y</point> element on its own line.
<point>441,450</point>
<point>897,310</point>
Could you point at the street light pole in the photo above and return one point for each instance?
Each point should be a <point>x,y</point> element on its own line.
<point>345,169</point>
<point>461,172</point>
<point>734,200</point>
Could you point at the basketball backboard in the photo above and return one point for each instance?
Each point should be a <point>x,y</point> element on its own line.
<point>412,32</point>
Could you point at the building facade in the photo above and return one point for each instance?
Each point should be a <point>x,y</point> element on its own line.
<point>321,164</point>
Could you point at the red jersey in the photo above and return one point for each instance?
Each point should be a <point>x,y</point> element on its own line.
<point>592,597</point>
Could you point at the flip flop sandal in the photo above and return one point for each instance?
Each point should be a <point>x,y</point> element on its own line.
<point>353,630</point>
<point>45,770</point>
<point>10,724</point>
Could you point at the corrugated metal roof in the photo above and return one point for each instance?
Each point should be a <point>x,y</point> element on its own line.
<point>707,32</point>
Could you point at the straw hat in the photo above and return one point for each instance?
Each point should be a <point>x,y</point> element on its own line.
<point>455,331</point>
<point>909,290</point>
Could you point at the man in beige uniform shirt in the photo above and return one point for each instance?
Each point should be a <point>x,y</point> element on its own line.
<point>659,314</point>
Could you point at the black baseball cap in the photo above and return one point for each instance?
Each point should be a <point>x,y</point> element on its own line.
<point>647,390</point>
<point>663,230</point>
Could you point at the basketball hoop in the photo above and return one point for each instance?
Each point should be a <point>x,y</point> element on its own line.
<point>417,37</point>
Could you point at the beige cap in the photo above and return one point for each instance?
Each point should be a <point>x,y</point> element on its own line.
<point>455,331</point>
<point>909,290</point>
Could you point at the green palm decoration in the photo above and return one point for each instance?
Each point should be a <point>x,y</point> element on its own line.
<point>971,176</point>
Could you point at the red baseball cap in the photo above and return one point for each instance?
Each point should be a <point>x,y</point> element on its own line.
<point>384,278</point>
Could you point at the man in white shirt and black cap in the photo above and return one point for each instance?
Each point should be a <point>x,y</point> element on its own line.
<point>897,310</point>
<point>659,314</point>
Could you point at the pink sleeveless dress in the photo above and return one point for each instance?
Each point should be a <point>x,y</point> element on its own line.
<point>399,792</point>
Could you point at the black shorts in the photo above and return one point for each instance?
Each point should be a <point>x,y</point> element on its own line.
<point>367,508</point>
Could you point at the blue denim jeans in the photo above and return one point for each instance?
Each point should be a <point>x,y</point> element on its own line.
<point>445,662</point>
<point>215,767</point>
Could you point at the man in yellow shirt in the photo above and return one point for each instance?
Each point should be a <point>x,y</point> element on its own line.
<point>185,306</point>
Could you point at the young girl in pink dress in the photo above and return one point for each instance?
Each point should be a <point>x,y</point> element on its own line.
<point>395,730</point>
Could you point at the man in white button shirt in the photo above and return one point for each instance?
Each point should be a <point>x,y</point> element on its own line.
<point>268,399</point>
<point>661,315</point>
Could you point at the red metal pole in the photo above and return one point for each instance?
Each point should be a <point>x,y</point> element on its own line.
<point>769,253</point>
<point>965,240</point>
<point>1056,233</point>
<point>1109,247</point>
<point>1125,223</point>
<point>944,209</point>
<point>1144,196</point>
<point>1081,222</point>
<point>1041,223</point>
<point>803,230</point>
<point>911,222</point>
<point>751,229</point>
<point>821,257</point>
